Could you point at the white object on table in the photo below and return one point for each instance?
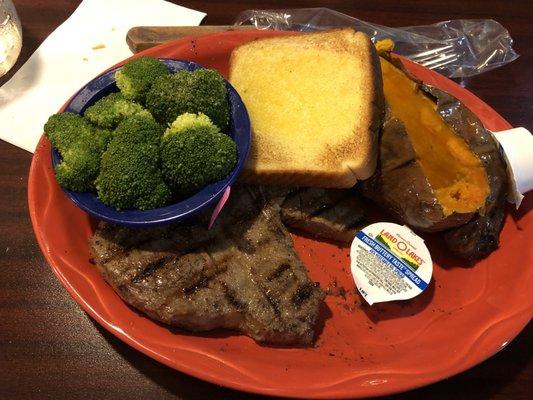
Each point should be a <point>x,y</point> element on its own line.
<point>87,43</point>
<point>10,36</point>
<point>517,146</point>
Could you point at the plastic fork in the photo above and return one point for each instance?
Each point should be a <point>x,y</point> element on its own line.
<point>436,58</point>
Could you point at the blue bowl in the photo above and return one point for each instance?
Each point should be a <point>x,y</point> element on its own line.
<point>239,131</point>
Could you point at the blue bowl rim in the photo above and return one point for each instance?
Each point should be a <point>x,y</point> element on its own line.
<point>175,212</point>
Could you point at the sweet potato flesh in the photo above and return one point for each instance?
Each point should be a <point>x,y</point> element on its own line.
<point>456,175</point>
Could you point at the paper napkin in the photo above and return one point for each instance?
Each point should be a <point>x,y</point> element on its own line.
<point>90,41</point>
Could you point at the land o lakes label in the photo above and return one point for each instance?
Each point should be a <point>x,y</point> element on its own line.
<point>389,262</point>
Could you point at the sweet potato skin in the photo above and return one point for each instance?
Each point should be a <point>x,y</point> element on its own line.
<point>479,236</point>
<point>465,123</point>
<point>400,187</point>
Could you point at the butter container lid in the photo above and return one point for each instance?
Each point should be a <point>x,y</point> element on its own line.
<point>389,262</point>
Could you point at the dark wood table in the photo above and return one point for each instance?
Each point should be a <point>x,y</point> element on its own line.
<point>49,348</point>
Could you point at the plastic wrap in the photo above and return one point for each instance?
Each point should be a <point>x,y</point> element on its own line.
<point>457,48</point>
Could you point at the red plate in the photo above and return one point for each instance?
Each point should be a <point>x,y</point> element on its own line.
<point>465,316</point>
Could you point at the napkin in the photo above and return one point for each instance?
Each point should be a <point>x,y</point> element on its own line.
<point>87,43</point>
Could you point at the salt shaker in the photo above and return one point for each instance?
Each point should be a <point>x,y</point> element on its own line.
<point>10,36</point>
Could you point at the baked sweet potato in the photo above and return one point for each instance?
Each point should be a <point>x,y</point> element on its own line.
<point>438,167</point>
<point>479,236</point>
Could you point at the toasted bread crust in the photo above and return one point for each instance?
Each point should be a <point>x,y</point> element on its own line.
<point>348,160</point>
<point>376,113</point>
<point>324,179</point>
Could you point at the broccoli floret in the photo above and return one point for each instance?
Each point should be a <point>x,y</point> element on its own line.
<point>80,147</point>
<point>136,76</point>
<point>203,90</point>
<point>63,129</point>
<point>188,122</point>
<point>130,173</point>
<point>139,129</point>
<point>103,135</point>
<point>109,111</point>
<point>80,164</point>
<point>194,153</point>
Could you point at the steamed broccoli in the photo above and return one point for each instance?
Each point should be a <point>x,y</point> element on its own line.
<point>63,129</point>
<point>105,135</point>
<point>80,147</point>
<point>202,91</point>
<point>139,129</point>
<point>188,122</point>
<point>110,110</point>
<point>194,153</point>
<point>130,174</point>
<point>136,76</point>
<point>81,163</point>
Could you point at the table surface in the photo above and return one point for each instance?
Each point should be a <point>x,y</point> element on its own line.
<point>49,348</point>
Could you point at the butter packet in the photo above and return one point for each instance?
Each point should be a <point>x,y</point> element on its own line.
<point>389,262</point>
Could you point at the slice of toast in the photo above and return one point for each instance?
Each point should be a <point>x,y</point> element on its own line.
<point>315,102</point>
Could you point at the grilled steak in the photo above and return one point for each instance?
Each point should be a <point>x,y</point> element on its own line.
<point>242,274</point>
<point>334,214</point>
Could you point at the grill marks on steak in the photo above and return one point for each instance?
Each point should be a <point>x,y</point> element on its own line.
<point>334,214</point>
<point>243,274</point>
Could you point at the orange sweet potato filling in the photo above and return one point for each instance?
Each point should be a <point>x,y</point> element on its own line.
<point>454,172</point>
